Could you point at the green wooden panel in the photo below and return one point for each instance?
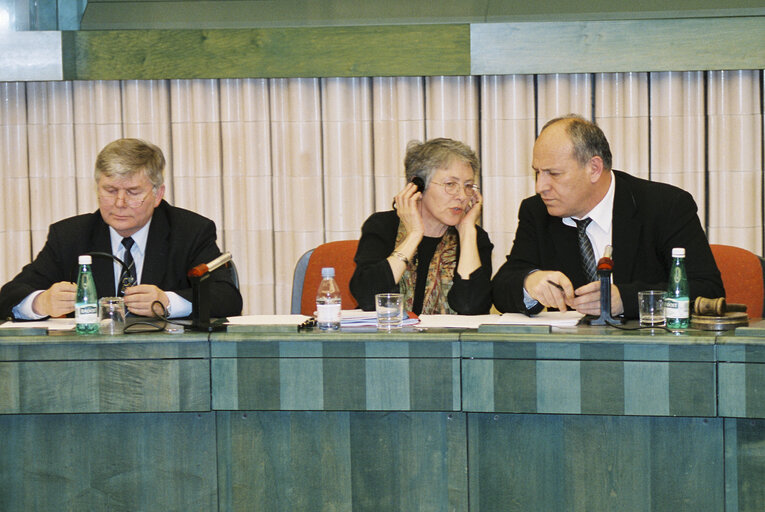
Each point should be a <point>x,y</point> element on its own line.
<point>69,347</point>
<point>583,463</point>
<point>618,46</point>
<point>743,450</point>
<point>272,52</point>
<point>692,389</point>
<point>305,461</point>
<point>105,386</point>
<point>602,387</point>
<point>408,461</point>
<point>742,390</point>
<point>117,462</point>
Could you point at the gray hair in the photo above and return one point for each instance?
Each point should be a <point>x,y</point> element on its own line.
<point>126,157</point>
<point>587,137</point>
<point>422,158</point>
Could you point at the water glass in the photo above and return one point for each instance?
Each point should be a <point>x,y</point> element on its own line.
<point>390,310</point>
<point>111,315</point>
<point>651,307</point>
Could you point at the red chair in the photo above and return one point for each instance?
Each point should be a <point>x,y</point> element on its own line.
<point>307,275</point>
<point>742,275</point>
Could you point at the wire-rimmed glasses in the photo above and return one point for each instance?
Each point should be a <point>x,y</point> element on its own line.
<point>130,200</point>
<point>453,187</point>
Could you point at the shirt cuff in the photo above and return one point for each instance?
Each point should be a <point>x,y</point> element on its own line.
<point>528,301</point>
<point>23,310</point>
<point>178,306</point>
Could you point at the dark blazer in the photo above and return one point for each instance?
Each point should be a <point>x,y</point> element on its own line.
<point>649,219</point>
<point>178,241</point>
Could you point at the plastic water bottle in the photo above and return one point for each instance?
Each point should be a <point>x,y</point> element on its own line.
<point>328,301</point>
<point>86,300</point>
<point>677,302</point>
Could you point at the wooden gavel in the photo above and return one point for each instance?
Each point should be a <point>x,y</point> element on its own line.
<point>703,306</point>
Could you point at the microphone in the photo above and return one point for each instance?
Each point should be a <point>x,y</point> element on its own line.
<point>604,268</point>
<point>200,294</point>
<point>204,268</point>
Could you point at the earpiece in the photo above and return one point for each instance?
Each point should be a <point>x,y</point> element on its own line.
<point>419,183</point>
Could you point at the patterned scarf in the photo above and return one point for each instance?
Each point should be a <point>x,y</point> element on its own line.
<point>440,275</point>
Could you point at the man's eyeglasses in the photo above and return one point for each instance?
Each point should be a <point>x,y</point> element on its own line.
<point>453,188</point>
<point>110,198</point>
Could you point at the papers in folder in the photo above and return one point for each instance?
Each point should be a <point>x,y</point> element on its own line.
<point>359,318</point>
<point>552,318</point>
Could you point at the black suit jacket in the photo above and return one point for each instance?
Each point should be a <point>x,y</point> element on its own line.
<point>178,241</point>
<point>649,219</point>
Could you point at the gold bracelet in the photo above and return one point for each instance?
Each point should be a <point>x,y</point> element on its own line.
<point>401,257</point>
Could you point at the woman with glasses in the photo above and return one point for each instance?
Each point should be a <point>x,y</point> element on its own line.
<point>428,247</point>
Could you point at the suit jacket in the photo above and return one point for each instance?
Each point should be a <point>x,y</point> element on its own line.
<point>178,240</point>
<point>649,219</point>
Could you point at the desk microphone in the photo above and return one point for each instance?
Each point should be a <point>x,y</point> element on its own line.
<point>604,268</point>
<point>200,294</point>
<point>204,268</point>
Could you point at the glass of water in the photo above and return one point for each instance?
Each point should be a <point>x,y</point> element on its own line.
<point>390,310</point>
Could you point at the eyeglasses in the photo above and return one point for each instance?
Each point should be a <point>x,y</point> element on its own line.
<point>453,188</point>
<point>110,198</point>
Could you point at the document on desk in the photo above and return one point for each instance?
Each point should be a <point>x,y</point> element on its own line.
<point>267,320</point>
<point>51,324</point>
<point>552,318</point>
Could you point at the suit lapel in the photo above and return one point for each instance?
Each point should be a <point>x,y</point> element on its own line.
<point>157,248</point>
<point>626,230</point>
<point>565,248</point>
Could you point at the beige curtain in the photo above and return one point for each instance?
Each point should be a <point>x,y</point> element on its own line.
<point>283,165</point>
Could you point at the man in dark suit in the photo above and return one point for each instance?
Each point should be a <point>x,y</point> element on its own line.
<point>159,242</point>
<point>640,219</point>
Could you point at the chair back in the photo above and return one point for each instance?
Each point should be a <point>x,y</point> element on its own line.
<point>742,275</point>
<point>337,254</point>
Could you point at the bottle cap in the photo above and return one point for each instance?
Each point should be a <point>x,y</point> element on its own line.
<point>85,259</point>
<point>678,252</point>
<point>327,272</point>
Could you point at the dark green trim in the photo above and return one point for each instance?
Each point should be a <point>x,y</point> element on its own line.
<point>271,53</point>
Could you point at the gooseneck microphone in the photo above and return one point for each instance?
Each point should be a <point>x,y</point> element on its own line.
<point>205,268</point>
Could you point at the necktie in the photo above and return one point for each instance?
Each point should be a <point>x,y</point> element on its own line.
<point>585,250</point>
<point>127,275</point>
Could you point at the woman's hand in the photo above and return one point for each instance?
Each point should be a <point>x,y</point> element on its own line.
<point>407,204</point>
<point>472,211</point>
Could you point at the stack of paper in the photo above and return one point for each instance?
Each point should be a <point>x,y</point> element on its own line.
<point>553,318</point>
<point>359,318</point>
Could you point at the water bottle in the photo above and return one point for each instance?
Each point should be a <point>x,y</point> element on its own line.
<point>328,301</point>
<point>677,302</point>
<point>86,300</point>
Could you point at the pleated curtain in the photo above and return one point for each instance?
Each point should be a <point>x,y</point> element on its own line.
<point>283,165</point>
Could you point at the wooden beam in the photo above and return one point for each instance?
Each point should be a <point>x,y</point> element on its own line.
<point>618,46</point>
<point>271,53</point>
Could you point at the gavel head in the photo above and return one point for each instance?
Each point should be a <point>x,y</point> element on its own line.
<point>710,307</point>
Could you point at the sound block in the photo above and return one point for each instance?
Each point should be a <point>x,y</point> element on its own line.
<point>730,320</point>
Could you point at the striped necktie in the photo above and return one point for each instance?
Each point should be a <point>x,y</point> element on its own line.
<point>585,250</point>
<point>127,274</point>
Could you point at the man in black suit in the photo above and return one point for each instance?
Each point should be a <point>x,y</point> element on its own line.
<point>640,219</point>
<point>159,242</point>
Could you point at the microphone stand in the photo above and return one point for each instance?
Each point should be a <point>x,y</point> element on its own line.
<point>199,277</point>
<point>605,267</point>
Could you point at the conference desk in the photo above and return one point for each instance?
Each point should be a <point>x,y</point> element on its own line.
<point>575,419</point>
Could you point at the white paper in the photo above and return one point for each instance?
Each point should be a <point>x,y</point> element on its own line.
<point>52,324</point>
<point>553,318</point>
<point>359,318</point>
<point>267,320</point>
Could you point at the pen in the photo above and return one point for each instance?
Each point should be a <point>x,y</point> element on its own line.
<point>556,285</point>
